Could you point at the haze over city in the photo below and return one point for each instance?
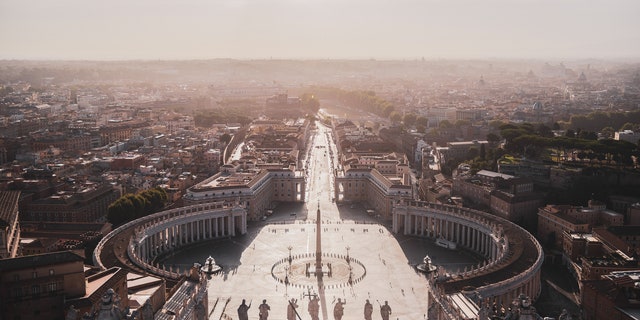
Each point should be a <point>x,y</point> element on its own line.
<point>314,29</point>
<point>314,159</point>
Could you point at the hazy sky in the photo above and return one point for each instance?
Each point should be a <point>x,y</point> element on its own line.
<point>310,29</point>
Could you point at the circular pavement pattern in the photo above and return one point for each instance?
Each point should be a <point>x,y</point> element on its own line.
<point>338,271</point>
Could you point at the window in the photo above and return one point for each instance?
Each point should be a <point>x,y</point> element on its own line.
<point>16,277</point>
<point>35,289</point>
<point>34,275</point>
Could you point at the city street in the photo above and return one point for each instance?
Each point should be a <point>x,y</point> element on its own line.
<point>249,261</point>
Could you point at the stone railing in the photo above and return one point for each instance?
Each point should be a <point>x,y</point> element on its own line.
<point>155,219</point>
<point>492,226</point>
<point>478,220</point>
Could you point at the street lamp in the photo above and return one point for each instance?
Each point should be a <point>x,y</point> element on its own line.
<point>290,259</point>
<point>348,260</point>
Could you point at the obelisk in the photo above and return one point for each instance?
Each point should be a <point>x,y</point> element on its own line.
<point>318,244</point>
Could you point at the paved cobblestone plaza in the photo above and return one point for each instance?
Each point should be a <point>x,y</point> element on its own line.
<point>383,263</point>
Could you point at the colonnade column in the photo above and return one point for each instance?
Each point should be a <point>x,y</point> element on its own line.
<point>244,223</point>
<point>484,244</point>
<point>476,241</point>
<point>464,235</point>
<point>232,229</point>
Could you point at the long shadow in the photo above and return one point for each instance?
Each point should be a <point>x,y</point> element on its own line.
<point>323,299</point>
<point>415,248</point>
<point>228,251</point>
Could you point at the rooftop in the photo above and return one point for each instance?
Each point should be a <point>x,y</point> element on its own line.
<point>40,260</point>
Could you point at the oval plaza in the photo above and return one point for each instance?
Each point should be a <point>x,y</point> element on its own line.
<point>508,258</point>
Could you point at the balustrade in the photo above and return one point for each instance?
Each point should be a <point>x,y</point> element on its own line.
<point>476,231</point>
<point>166,231</point>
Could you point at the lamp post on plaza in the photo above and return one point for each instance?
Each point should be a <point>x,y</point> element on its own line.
<point>348,260</point>
<point>290,259</point>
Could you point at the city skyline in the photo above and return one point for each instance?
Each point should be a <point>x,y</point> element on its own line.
<point>295,29</point>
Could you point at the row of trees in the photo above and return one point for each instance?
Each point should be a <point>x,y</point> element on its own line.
<point>206,118</point>
<point>368,101</point>
<point>598,120</point>
<point>360,99</point>
<point>310,102</point>
<point>531,140</point>
<point>133,206</point>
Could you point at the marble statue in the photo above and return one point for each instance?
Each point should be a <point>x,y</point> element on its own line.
<point>368,310</point>
<point>338,309</point>
<point>264,310</point>
<point>314,308</point>
<point>291,309</point>
<point>385,311</point>
<point>243,310</point>
<point>72,313</point>
<point>146,311</point>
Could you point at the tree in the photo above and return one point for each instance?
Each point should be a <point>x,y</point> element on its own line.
<point>493,138</point>
<point>387,110</point>
<point>462,123</point>
<point>544,131</point>
<point>310,102</point>
<point>156,199</point>
<point>607,132</point>
<point>444,124</point>
<point>422,121</point>
<point>133,206</point>
<point>409,119</point>
<point>473,152</point>
<point>588,135</point>
<point>496,124</point>
<point>627,126</point>
<point>121,211</point>
<point>225,138</point>
<point>395,117</point>
<point>570,133</point>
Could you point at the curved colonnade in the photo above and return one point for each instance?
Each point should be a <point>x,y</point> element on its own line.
<point>166,231</point>
<point>513,257</point>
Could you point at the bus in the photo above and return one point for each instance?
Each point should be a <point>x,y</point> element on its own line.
<point>446,243</point>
